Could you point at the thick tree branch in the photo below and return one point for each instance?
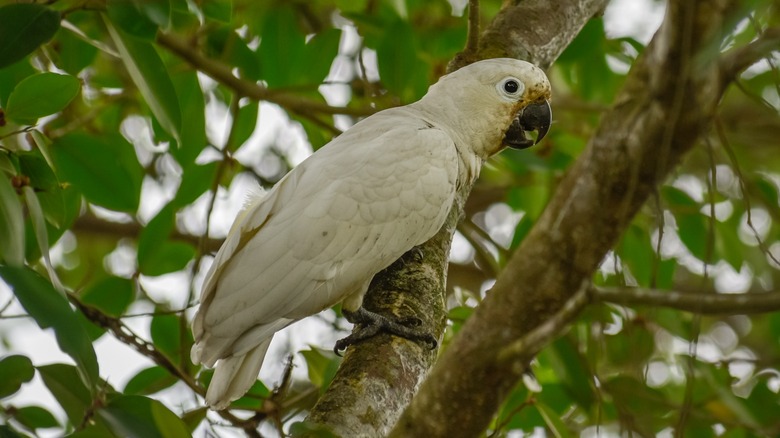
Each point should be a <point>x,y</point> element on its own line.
<point>703,303</point>
<point>379,376</point>
<point>666,104</point>
<point>223,74</point>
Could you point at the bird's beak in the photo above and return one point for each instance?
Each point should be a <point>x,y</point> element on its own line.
<point>534,117</point>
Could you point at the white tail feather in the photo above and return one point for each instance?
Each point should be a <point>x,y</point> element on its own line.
<point>233,376</point>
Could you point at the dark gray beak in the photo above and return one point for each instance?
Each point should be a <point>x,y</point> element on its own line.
<point>534,117</point>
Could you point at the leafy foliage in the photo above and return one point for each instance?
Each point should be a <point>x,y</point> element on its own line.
<point>118,122</point>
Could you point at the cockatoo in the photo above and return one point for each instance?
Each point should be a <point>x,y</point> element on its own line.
<point>351,209</point>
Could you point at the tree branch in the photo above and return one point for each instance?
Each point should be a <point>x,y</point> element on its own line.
<point>472,38</point>
<point>223,74</point>
<point>123,333</point>
<point>740,58</point>
<point>666,104</point>
<point>703,303</point>
<point>525,348</point>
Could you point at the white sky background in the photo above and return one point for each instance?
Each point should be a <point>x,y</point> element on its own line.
<point>118,362</point>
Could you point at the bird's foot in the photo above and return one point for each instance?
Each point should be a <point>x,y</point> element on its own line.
<point>369,324</point>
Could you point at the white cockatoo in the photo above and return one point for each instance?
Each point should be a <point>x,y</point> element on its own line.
<point>351,209</point>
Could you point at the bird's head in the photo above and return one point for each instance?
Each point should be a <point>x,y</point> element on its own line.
<point>496,101</point>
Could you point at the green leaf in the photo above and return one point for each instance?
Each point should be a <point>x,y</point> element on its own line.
<point>322,367</point>
<point>139,18</point>
<point>245,124</point>
<point>168,336</point>
<point>34,166</point>
<point>11,225</point>
<point>553,420</point>
<point>633,346</point>
<point>226,45</point>
<point>586,64</point>
<point>156,254</point>
<point>40,95</point>
<point>195,181</point>
<point>75,53</point>
<point>50,309</point>
<point>727,244</point>
<point>10,76</point>
<point>104,170</point>
<point>693,230</point>
<point>397,59</point>
<point>149,381</point>
<point>193,106</point>
<point>7,432</point>
<point>648,406</point>
<point>24,27</point>
<point>65,385</point>
<point>41,234</point>
<point>282,48</point>
<point>220,10</point>
<point>193,418</point>
<point>321,50</point>
<point>137,416</point>
<point>111,295</point>
<point>16,370</point>
<point>521,230</point>
<point>636,251</point>
<point>571,370</point>
<point>150,76</point>
<point>35,417</point>
<point>678,199</point>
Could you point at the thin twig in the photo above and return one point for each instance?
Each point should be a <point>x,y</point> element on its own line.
<point>704,303</point>
<point>223,74</point>
<point>125,335</point>
<point>742,187</point>
<point>523,349</point>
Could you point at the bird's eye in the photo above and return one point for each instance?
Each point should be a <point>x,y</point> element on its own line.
<point>511,86</point>
<point>510,89</point>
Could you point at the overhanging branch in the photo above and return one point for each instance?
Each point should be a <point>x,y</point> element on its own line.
<point>703,303</point>
<point>223,74</point>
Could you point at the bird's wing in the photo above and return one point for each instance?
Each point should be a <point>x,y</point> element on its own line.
<point>325,229</point>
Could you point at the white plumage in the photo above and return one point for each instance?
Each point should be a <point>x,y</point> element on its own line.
<point>347,212</point>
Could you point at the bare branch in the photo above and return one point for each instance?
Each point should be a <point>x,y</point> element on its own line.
<point>525,348</point>
<point>91,224</point>
<point>740,58</point>
<point>704,303</point>
<point>123,334</point>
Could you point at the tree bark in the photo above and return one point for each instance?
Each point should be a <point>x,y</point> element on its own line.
<point>378,377</point>
<point>667,102</point>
